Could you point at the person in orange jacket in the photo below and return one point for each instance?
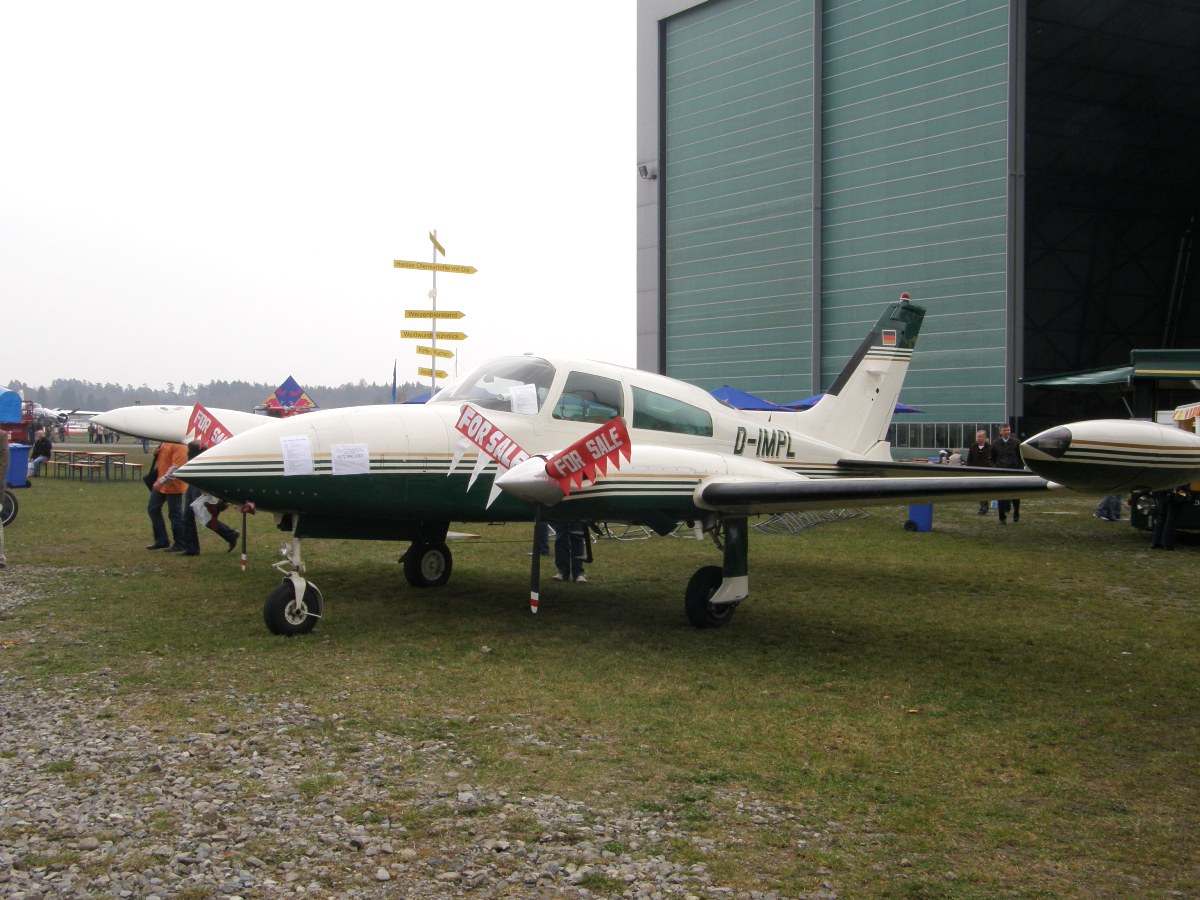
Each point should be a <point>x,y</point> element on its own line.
<point>169,490</point>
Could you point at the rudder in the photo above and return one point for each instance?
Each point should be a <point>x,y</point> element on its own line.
<point>856,411</point>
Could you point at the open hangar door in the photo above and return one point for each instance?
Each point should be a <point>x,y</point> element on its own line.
<point>1112,191</point>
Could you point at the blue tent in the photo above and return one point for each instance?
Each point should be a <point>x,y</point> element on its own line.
<point>10,406</point>
<point>810,402</point>
<point>741,400</point>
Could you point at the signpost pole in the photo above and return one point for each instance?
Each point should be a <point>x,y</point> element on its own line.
<point>433,322</point>
<point>432,314</point>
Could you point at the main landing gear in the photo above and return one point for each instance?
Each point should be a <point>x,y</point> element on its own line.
<point>714,592</point>
<point>427,564</point>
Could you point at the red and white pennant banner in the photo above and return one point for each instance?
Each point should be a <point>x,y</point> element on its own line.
<point>204,427</point>
<point>596,451</point>
<point>485,435</point>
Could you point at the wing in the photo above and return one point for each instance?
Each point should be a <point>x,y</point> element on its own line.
<point>759,496</point>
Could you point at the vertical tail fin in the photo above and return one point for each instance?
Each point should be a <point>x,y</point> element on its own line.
<point>855,413</point>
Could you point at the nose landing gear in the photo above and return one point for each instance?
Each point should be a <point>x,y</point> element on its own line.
<point>296,604</point>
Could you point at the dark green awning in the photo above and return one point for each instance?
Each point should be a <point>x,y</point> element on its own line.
<point>1088,379</point>
<point>1166,364</point>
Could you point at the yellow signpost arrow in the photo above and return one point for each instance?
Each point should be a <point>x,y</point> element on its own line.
<point>434,267</point>
<point>431,373</point>
<point>433,314</point>
<point>428,335</point>
<point>435,351</point>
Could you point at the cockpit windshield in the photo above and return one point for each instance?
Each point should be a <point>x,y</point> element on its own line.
<point>512,383</point>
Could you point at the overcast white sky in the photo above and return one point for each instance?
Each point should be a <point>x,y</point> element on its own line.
<point>217,191</point>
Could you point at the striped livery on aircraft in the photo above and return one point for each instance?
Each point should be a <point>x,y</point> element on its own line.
<point>1111,456</point>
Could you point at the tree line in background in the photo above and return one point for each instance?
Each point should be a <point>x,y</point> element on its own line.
<point>71,393</point>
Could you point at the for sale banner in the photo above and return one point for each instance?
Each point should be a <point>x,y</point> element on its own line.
<point>204,427</point>
<point>591,453</point>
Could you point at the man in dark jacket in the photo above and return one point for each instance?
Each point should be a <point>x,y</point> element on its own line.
<point>1006,454</point>
<point>980,454</point>
<point>40,453</point>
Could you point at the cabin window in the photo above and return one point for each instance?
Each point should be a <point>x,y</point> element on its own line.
<point>658,412</point>
<point>513,384</point>
<point>589,398</point>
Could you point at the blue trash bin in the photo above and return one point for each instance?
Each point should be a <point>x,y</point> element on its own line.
<point>920,517</point>
<point>18,465</point>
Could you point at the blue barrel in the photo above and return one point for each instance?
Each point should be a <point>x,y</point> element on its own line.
<point>920,517</point>
<point>18,465</point>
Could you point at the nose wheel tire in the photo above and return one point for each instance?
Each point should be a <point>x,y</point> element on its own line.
<point>287,614</point>
<point>427,565</point>
<point>700,611</point>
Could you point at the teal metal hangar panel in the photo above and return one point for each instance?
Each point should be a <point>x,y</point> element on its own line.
<point>737,206</point>
<point>914,191</point>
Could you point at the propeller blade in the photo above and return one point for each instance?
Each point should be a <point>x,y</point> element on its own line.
<point>535,568</point>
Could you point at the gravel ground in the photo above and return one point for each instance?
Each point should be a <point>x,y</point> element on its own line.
<point>91,805</point>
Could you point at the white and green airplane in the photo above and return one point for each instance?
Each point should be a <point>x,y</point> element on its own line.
<point>525,438</point>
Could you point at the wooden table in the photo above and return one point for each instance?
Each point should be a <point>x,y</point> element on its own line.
<point>106,458</point>
<point>62,460</point>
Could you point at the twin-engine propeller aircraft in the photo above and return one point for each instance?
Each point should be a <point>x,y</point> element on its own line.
<point>529,437</point>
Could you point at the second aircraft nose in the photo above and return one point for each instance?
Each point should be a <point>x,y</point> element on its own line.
<point>1052,444</point>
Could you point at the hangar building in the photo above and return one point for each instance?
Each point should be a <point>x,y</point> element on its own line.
<point>1028,170</point>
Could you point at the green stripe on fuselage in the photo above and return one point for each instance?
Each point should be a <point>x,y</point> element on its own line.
<point>423,490</point>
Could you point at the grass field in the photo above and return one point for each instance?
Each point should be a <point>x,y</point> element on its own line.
<point>971,712</point>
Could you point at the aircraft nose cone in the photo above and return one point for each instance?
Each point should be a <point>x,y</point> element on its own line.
<point>528,481</point>
<point>1052,444</point>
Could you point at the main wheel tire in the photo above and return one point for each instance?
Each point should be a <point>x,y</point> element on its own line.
<point>287,614</point>
<point>427,565</point>
<point>9,510</point>
<point>700,611</point>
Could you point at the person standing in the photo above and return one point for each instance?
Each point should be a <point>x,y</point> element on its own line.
<point>1166,511</point>
<point>1006,454</point>
<point>202,508</point>
<point>169,490</point>
<point>3,481</point>
<point>571,550</point>
<point>980,454</point>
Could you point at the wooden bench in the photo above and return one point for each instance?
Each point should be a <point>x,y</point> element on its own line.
<point>126,467</point>
<point>93,470</point>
